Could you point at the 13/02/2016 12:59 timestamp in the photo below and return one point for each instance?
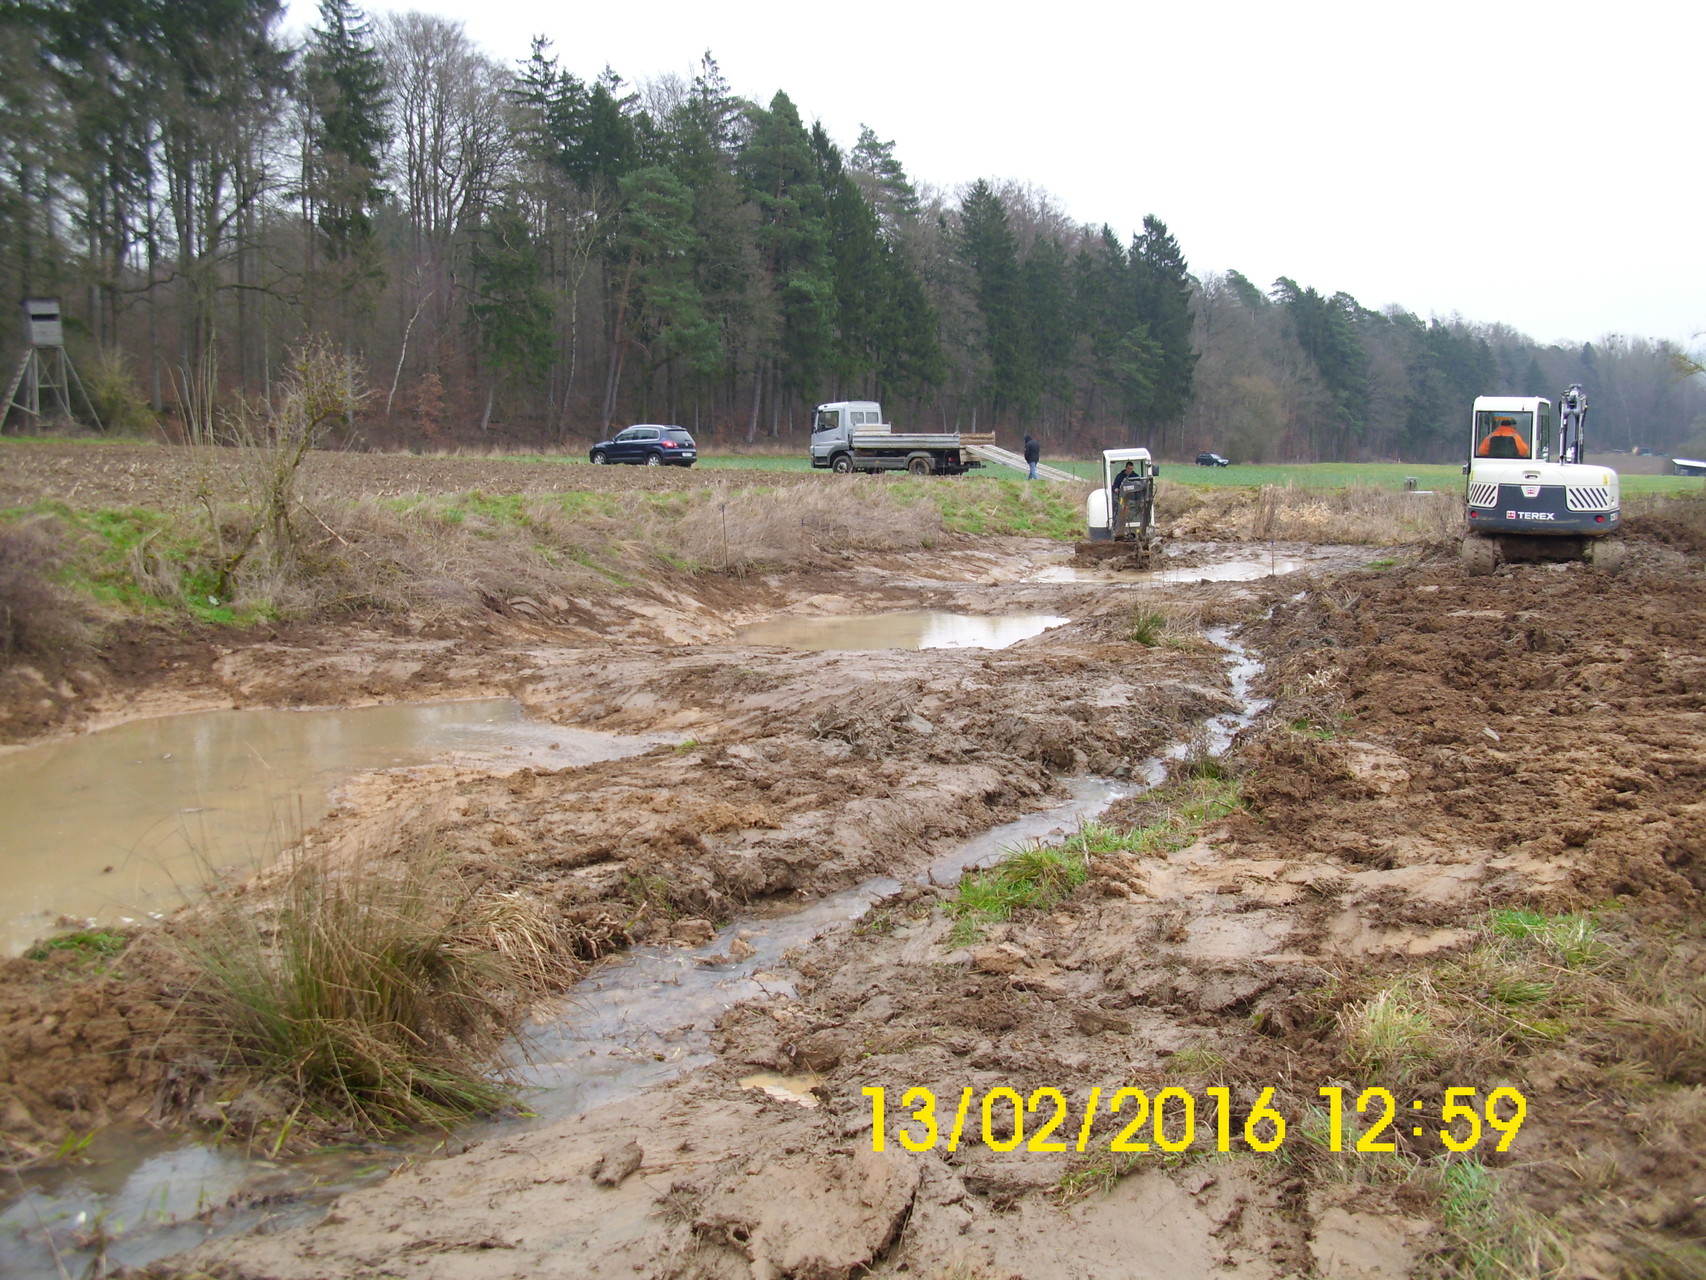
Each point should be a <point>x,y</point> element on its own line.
<point>1167,1121</point>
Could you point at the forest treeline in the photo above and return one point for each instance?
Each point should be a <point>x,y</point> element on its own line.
<point>515,252</point>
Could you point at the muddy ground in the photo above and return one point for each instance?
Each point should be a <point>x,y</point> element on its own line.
<point>1439,748</point>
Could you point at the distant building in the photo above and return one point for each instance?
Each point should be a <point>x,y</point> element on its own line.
<point>1689,466</point>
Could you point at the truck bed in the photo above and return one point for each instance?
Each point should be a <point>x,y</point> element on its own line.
<point>882,439</point>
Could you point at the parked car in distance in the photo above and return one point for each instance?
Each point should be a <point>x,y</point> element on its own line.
<point>1212,460</point>
<point>647,445</point>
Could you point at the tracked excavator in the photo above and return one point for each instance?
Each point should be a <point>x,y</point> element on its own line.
<point>1532,496</point>
<point>1119,515</point>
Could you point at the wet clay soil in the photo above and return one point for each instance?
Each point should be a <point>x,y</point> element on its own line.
<point>1439,746</point>
<point>795,773</point>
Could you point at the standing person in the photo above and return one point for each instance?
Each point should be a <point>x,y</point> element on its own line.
<point>1033,455</point>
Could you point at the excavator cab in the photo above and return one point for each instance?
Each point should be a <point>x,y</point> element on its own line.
<point>1507,435</point>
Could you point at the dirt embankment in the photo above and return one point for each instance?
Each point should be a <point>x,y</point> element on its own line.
<point>1451,769</point>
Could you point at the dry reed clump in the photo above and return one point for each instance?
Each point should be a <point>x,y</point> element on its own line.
<point>743,529</point>
<point>379,993</point>
<point>376,555</point>
<point>37,618</point>
<point>1362,515</point>
<point>473,551</point>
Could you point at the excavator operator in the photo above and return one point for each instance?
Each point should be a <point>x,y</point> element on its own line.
<point>1503,441</point>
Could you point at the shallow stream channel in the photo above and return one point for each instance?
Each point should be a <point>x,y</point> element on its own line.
<point>637,1020</point>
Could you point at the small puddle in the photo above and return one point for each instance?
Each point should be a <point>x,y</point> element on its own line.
<point>1229,571</point>
<point>917,629</point>
<point>796,1089</point>
<point>130,821</point>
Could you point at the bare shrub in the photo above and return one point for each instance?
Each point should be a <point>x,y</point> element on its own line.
<point>36,616</point>
<point>272,438</point>
<point>110,383</point>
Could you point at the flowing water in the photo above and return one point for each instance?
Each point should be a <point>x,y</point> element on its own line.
<point>914,629</point>
<point>128,822</point>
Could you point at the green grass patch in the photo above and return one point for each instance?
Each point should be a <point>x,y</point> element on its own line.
<point>1493,1238</point>
<point>997,507</point>
<point>503,509</point>
<point>140,560</point>
<point>1573,938</point>
<point>1038,876</point>
<point>1030,876</point>
<point>93,944</point>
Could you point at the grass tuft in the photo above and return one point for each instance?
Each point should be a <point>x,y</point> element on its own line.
<point>90,944</point>
<point>1493,1239</point>
<point>1031,876</point>
<point>1147,626</point>
<point>378,993</point>
<point>1573,939</point>
<point>1392,1032</point>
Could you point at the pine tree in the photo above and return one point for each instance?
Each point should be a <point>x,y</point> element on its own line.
<point>1164,287</point>
<point>348,133</point>
<point>891,193</point>
<point>1047,291</point>
<point>667,315</point>
<point>1327,331</point>
<point>550,103</point>
<point>793,240</point>
<point>988,248</point>
<point>510,309</point>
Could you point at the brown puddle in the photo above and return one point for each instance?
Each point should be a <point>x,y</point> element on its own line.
<point>915,629</point>
<point>130,821</point>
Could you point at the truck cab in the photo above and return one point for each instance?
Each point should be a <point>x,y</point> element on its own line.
<point>833,425</point>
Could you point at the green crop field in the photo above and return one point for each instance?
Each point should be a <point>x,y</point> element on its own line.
<point>1315,475</point>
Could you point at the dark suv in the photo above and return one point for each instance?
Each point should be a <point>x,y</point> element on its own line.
<point>647,445</point>
<point>1212,460</point>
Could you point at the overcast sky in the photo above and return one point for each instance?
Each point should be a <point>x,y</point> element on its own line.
<point>1538,164</point>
